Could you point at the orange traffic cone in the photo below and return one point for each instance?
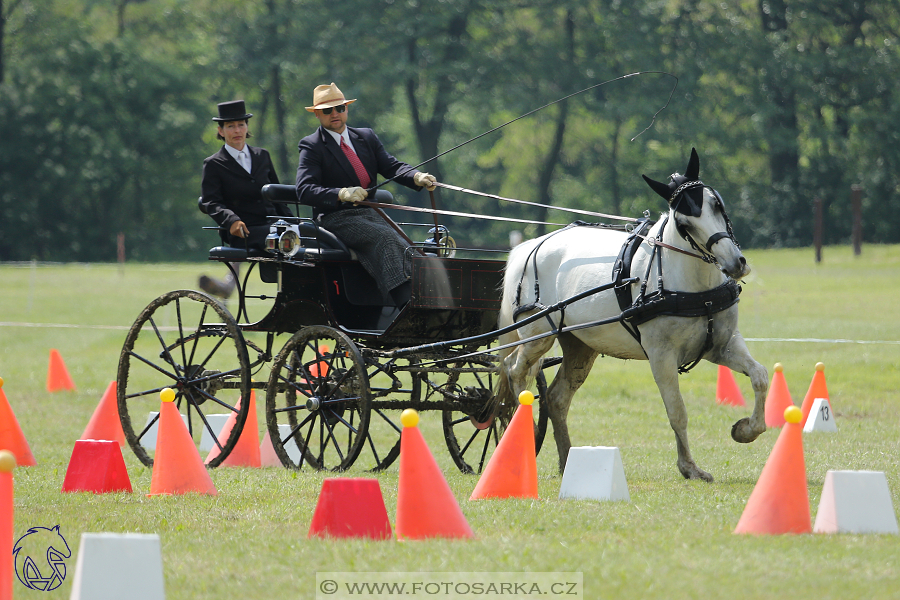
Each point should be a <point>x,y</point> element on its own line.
<point>11,436</point>
<point>426,506</point>
<point>727,390</point>
<point>57,374</point>
<point>246,451</point>
<point>778,399</point>
<point>267,456</point>
<point>177,468</point>
<point>105,423</point>
<point>512,470</point>
<point>7,566</point>
<point>780,501</point>
<point>817,389</point>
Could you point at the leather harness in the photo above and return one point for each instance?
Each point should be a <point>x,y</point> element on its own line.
<point>646,307</point>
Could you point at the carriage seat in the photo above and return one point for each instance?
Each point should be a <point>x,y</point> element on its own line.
<point>318,243</point>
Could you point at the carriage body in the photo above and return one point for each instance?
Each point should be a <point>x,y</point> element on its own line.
<point>335,389</point>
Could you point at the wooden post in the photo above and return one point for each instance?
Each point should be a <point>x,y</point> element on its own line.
<point>856,199</point>
<point>817,229</point>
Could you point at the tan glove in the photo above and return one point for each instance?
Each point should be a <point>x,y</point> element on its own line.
<point>352,194</point>
<point>425,180</point>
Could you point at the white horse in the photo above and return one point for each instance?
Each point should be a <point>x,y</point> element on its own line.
<point>699,259</point>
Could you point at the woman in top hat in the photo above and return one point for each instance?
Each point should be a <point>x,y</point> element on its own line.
<point>231,186</point>
<point>338,164</point>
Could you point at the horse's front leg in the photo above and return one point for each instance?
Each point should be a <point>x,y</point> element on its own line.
<point>665,372</point>
<point>737,358</point>
<point>521,365</point>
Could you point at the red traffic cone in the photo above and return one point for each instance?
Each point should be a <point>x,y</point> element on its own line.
<point>96,466</point>
<point>817,389</point>
<point>105,423</point>
<point>11,436</point>
<point>780,501</point>
<point>246,451</point>
<point>778,399</point>
<point>512,470</point>
<point>350,508</point>
<point>426,506</point>
<point>57,374</point>
<point>177,468</point>
<point>727,390</point>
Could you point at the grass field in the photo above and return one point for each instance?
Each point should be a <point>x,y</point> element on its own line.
<point>673,540</point>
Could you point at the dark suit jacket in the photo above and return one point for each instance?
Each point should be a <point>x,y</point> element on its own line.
<point>324,169</point>
<point>231,194</point>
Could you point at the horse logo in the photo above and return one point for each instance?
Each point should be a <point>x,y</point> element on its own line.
<point>40,558</point>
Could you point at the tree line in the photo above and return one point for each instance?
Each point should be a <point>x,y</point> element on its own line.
<point>107,107</point>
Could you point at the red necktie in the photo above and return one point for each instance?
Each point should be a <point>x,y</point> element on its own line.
<point>364,179</point>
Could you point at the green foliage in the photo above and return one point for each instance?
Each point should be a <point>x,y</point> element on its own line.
<point>107,106</point>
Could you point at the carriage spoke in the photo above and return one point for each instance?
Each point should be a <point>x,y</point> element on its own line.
<point>153,365</point>
<point>165,348</point>
<point>148,365</point>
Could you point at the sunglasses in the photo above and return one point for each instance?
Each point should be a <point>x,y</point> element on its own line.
<point>340,109</point>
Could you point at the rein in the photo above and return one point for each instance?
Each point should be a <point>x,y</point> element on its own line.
<point>537,204</point>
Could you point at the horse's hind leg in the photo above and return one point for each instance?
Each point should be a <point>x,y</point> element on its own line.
<point>665,372</point>
<point>578,358</point>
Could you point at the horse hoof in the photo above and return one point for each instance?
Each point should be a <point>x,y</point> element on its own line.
<point>742,432</point>
<point>695,472</point>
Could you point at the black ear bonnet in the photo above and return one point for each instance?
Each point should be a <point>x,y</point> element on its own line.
<point>684,193</point>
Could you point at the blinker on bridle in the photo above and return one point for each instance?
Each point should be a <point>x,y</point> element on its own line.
<point>675,201</point>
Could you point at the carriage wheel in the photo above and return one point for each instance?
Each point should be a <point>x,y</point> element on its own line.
<point>393,380</point>
<point>479,433</point>
<point>318,400</point>
<point>189,342</point>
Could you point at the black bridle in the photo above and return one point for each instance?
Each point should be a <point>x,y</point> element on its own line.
<point>677,201</point>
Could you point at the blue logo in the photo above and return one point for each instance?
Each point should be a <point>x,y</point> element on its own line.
<point>40,558</point>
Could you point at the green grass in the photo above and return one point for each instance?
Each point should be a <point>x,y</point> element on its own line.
<point>673,540</point>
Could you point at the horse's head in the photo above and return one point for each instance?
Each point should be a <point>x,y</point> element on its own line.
<point>699,214</point>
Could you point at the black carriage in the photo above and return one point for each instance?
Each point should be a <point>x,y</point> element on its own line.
<point>334,391</point>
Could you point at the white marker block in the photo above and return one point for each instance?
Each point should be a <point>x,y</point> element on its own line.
<point>820,418</point>
<point>112,566</point>
<point>855,502</point>
<point>594,473</point>
<point>217,422</point>
<point>149,439</point>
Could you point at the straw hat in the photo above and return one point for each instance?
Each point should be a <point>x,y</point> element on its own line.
<point>325,96</point>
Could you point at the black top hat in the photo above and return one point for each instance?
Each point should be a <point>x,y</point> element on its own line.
<point>232,111</point>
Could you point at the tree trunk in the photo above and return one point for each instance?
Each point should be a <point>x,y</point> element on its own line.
<point>782,128</point>
<point>545,178</point>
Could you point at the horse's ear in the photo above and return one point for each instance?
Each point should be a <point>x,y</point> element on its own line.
<point>693,168</point>
<point>660,188</point>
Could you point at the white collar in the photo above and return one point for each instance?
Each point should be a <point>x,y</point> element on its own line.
<point>338,136</point>
<point>234,153</point>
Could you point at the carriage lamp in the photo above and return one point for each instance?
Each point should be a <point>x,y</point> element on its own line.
<point>275,231</point>
<point>289,242</point>
<point>444,245</point>
<point>283,238</point>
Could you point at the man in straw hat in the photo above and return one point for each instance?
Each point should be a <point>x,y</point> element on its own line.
<point>231,186</point>
<point>338,164</point>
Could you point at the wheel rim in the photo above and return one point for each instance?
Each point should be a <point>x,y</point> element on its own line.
<point>472,436</point>
<point>318,401</point>
<point>189,342</point>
